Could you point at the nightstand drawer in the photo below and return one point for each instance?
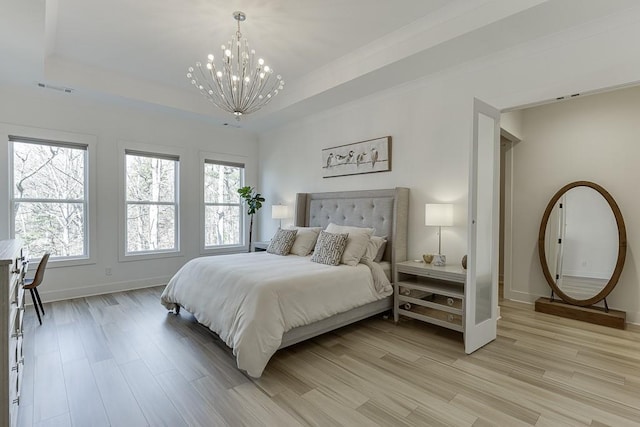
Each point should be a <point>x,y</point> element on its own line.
<point>432,315</point>
<point>428,299</point>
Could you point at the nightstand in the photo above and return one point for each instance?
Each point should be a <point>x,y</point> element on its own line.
<point>430,294</point>
<point>259,246</point>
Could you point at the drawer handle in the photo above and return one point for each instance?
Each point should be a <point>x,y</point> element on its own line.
<point>18,334</point>
<point>450,317</point>
<point>407,306</point>
<point>449,301</point>
<point>16,401</point>
<point>14,367</point>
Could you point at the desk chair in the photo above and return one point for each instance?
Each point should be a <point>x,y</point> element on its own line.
<point>32,285</point>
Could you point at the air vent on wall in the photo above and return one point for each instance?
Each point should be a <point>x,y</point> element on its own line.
<point>58,88</point>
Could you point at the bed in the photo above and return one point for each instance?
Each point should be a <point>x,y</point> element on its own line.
<point>259,302</point>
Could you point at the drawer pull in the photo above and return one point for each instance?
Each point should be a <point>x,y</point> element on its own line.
<point>449,301</point>
<point>16,401</point>
<point>18,334</point>
<point>407,306</point>
<point>450,317</point>
<point>14,367</point>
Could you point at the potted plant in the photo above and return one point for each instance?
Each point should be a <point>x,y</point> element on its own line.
<point>254,203</point>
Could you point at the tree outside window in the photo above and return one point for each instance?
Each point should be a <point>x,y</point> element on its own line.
<point>151,202</point>
<point>49,197</point>
<point>223,219</point>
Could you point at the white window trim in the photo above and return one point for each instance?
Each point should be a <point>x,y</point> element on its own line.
<point>248,178</point>
<point>6,214</point>
<point>123,255</point>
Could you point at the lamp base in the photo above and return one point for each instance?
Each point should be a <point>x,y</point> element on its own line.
<point>439,260</point>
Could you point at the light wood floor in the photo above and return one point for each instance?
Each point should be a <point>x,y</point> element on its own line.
<point>122,360</point>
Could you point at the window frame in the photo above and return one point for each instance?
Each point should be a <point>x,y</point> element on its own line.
<point>223,159</point>
<point>56,138</point>
<point>155,151</point>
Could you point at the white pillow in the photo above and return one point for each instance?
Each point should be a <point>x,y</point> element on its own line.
<point>375,248</point>
<point>305,240</point>
<point>356,243</point>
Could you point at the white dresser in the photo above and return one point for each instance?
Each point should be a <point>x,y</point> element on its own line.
<point>12,268</point>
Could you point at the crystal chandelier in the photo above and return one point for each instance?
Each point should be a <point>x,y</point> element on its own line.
<point>241,84</point>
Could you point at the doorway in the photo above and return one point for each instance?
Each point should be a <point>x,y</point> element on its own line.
<point>507,141</point>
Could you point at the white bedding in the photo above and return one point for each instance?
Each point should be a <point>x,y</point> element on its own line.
<point>250,300</point>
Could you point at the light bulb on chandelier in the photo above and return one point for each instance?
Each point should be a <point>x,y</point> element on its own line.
<point>242,84</point>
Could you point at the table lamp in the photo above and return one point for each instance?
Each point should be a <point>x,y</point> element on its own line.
<point>438,215</point>
<point>279,212</point>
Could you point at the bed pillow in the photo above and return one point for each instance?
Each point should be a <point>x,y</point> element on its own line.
<point>375,248</point>
<point>281,243</point>
<point>380,253</point>
<point>305,240</point>
<point>356,243</point>
<point>329,248</point>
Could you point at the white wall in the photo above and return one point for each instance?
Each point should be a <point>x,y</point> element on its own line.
<point>112,124</point>
<point>593,138</point>
<point>430,122</point>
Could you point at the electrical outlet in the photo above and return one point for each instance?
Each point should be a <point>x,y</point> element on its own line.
<point>107,271</point>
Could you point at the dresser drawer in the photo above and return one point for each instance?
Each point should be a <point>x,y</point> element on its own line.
<point>15,322</point>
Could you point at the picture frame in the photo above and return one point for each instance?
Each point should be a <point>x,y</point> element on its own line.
<point>370,156</point>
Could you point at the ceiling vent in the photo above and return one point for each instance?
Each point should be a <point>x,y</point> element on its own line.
<point>58,88</point>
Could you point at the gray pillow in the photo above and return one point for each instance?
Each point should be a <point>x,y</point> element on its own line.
<point>281,243</point>
<point>329,248</point>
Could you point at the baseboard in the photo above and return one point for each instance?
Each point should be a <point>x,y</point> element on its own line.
<point>520,296</point>
<point>103,288</point>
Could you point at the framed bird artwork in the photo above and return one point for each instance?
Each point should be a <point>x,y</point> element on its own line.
<point>372,155</point>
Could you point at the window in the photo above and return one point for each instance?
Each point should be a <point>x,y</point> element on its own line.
<point>151,182</point>
<point>223,218</point>
<point>49,203</point>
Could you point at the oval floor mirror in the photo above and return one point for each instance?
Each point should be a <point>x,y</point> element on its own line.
<point>582,245</point>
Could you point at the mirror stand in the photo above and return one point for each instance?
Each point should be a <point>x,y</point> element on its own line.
<point>582,246</point>
<point>598,315</point>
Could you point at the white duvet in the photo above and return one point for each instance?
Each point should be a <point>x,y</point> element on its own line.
<point>250,300</point>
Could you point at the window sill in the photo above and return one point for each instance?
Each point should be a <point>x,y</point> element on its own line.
<point>224,250</point>
<point>143,256</point>
<point>58,263</point>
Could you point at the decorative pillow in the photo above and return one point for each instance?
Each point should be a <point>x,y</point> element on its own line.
<point>356,244</point>
<point>329,248</point>
<point>282,242</point>
<point>305,240</point>
<point>375,247</point>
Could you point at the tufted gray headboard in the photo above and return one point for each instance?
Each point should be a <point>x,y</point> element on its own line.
<point>384,210</point>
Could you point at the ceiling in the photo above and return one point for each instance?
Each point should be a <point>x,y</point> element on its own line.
<point>328,51</point>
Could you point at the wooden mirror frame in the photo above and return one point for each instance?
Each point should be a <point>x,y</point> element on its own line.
<point>622,244</point>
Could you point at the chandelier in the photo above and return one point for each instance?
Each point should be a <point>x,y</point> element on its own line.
<point>240,84</point>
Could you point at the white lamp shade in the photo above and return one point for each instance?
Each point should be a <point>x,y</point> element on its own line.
<point>279,211</point>
<point>438,214</point>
